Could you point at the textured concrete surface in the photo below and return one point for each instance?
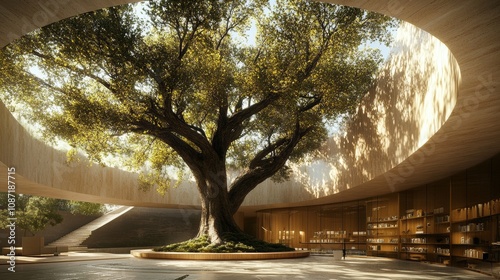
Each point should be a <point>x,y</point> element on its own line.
<point>314,267</point>
<point>145,227</point>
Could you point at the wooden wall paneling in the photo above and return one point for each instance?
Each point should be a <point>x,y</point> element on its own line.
<point>478,187</point>
<point>313,228</point>
<point>459,196</point>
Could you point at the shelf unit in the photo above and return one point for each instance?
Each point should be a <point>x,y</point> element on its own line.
<point>453,221</point>
<point>320,229</point>
<point>475,236</point>
<point>336,227</point>
<point>425,223</point>
<point>382,226</point>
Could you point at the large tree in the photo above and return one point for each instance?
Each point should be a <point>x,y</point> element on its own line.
<point>177,88</point>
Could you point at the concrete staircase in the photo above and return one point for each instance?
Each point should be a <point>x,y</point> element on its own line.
<point>144,227</point>
<point>75,238</point>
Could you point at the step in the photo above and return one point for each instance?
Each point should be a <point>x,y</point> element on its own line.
<point>75,238</point>
<point>77,249</point>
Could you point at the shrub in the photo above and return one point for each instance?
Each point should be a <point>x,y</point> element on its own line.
<point>233,243</point>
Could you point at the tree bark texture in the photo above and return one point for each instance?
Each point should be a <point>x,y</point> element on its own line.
<point>217,210</point>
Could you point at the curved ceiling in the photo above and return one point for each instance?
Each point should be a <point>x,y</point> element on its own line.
<point>470,135</point>
<point>472,132</point>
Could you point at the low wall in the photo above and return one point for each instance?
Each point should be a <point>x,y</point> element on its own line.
<point>148,254</point>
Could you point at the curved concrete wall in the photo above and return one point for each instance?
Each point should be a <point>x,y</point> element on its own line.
<point>426,118</point>
<point>471,133</point>
<point>42,170</point>
<point>20,17</point>
<point>415,93</point>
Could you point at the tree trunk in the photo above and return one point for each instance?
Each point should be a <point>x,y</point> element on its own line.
<point>216,220</point>
<point>216,209</point>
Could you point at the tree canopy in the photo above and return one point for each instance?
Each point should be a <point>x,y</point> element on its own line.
<point>177,86</point>
<point>35,213</point>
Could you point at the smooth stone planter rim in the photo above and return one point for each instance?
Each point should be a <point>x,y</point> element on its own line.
<point>150,254</point>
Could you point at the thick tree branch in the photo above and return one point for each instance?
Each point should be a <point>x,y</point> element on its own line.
<point>250,111</point>
<point>190,156</point>
<point>85,72</point>
<point>315,101</point>
<point>180,127</point>
<point>261,172</point>
<point>230,129</point>
<point>258,160</point>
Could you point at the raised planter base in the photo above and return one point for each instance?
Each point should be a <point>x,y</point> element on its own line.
<point>150,254</point>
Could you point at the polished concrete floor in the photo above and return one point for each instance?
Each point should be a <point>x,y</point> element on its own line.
<point>116,267</point>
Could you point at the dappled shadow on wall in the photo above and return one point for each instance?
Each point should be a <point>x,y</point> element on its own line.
<point>414,95</point>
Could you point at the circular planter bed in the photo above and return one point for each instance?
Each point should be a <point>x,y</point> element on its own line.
<point>150,254</point>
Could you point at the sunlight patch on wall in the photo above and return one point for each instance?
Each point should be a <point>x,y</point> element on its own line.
<point>415,93</point>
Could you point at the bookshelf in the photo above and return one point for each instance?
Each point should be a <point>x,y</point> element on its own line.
<point>452,221</point>
<point>414,227</point>
<point>425,223</point>
<point>474,217</point>
<point>336,227</point>
<point>439,222</point>
<point>382,226</point>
